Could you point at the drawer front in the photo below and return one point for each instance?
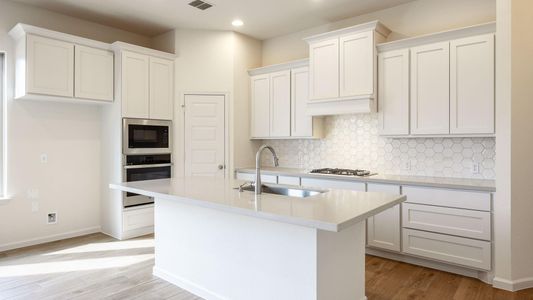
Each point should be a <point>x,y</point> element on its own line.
<point>289,180</point>
<point>461,222</point>
<point>448,198</point>
<point>251,177</point>
<point>446,248</point>
<point>334,184</point>
<point>138,218</point>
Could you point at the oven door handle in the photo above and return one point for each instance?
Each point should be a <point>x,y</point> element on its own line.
<point>147,166</point>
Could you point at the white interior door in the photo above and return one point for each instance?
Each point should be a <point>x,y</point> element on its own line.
<point>205,135</point>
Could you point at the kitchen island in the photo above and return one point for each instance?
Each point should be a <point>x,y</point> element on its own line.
<point>222,243</point>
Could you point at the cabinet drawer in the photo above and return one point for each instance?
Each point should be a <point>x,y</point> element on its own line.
<point>461,222</point>
<point>446,248</point>
<point>289,180</point>
<point>448,198</point>
<point>138,218</point>
<point>251,177</point>
<point>334,184</point>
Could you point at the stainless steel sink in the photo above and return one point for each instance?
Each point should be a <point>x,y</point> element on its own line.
<point>285,190</point>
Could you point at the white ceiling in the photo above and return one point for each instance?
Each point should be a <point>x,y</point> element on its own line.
<point>262,18</point>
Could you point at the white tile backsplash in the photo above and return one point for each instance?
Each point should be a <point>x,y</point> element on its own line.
<point>352,141</point>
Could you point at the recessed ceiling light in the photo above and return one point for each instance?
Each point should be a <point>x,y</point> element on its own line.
<point>237,23</point>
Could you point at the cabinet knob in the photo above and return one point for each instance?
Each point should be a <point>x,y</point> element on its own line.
<point>220,167</point>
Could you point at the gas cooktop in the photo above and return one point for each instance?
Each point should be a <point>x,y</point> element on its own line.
<point>345,172</point>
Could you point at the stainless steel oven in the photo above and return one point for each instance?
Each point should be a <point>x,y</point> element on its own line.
<point>141,136</point>
<point>145,167</point>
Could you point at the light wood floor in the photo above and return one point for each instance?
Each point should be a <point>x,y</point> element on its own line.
<point>99,267</point>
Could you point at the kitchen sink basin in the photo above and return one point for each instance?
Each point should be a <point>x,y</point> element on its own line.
<point>285,190</point>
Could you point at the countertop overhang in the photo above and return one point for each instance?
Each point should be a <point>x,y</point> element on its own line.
<point>333,210</point>
<point>483,185</point>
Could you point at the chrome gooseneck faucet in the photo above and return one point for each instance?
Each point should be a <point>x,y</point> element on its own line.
<point>258,166</point>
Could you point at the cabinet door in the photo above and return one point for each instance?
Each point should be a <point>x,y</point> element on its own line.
<point>383,229</point>
<point>280,104</point>
<point>50,66</point>
<point>135,85</point>
<point>430,89</point>
<point>94,75</point>
<point>301,123</point>
<point>161,88</point>
<point>324,70</point>
<point>472,85</point>
<point>260,90</point>
<point>357,64</point>
<point>393,92</point>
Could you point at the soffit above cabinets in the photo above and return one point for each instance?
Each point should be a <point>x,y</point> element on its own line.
<point>262,19</point>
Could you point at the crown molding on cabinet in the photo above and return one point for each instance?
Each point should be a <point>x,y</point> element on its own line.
<point>119,46</point>
<point>21,30</point>
<point>279,67</point>
<point>438,37</point>
<point>376,26</point>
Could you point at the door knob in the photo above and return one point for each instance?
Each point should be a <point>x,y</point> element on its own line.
<point>220,167</point>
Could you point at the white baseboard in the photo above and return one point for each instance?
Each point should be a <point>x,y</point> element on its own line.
<point>49,238</point>
<point>513,285</point>
<point>185,284</point>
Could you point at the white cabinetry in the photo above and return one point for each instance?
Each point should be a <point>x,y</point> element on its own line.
<point>356,64</point>
<point>450,85</point>
<point>472,85</point>
<point>342,69</point>
<point>94,74</point>
<point>279,95</point>
<point>394,92</point>
<point>50,66</point>
<point>147,83</point>
<point>161,88</point>
<point>383,229</point>
<point>135,85</point>
<point>324,70</point>
<point>430,89</point>
<point>280,103</point>
<point>56,66</point>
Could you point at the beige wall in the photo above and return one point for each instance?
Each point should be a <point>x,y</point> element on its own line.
<point>514,197</point>
<point>69,134</point>
<point>216,62</point>
<point>411,19</point>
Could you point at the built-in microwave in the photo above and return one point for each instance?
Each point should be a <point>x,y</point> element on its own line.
<point>141,136</point>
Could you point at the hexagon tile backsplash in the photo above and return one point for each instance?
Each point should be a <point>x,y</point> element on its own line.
<point>352,141</point>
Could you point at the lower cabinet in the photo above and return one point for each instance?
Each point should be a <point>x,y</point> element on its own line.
<point>138,218</point>
<point>383,229</point>
<point>447,248</point>
<point>334,184</point>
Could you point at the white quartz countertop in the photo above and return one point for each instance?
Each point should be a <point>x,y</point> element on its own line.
<point>333,210</point>
<point>439,182</point>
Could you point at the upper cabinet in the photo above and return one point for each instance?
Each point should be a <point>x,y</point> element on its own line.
<point>343,69</point>
<point>279,96</point>
<point>146,81</point>
<point>438,85</point>
<point>93,73</point>
<point>472,85</point>
<point>56,66</point>
<point>430,89</point>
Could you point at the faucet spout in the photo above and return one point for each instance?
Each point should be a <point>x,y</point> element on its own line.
<point>258,184</point>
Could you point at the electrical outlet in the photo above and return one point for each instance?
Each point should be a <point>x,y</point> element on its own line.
<point>406,165</point>
<point>51,218</point>
<point>34,206</point>
<point>44,158</point>
<point>475,168</point>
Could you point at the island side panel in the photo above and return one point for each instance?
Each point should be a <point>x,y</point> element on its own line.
<point>219,255</point>
<point>341,263</point>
